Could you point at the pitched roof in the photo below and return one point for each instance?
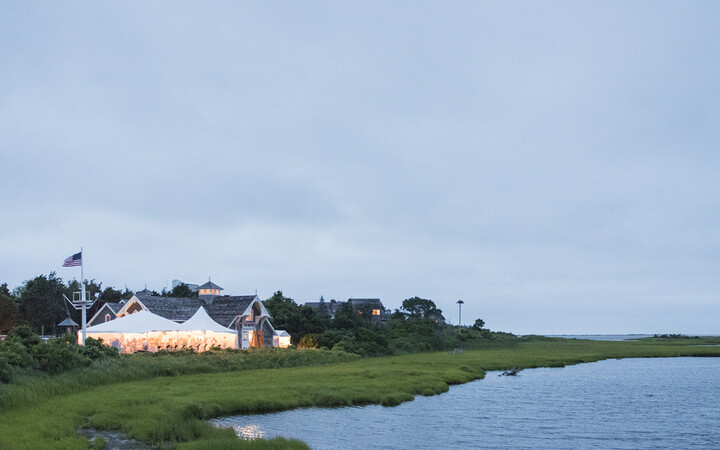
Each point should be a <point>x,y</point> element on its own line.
<point>174,308</point>
<point>365,301</point>
<point>224,309</point>
<point>210,285</point>
<point>68,323</point>
<point>115,306</point>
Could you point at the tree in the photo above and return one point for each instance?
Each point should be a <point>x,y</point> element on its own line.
<point>41,302</point>
<point>112,295</point>
<point>347,318</point>
<point>323,310</point>
<point>181,290</point>
<point>479,324</point>
<point>289,316</point>
<point>417,308</point>
<point>8,310</point>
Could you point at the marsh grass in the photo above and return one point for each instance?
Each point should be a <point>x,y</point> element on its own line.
<point>168,411</point>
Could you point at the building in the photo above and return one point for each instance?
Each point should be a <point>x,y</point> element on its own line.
<point>244,313</point>
<point>373,307</point>
<point>106,313</point>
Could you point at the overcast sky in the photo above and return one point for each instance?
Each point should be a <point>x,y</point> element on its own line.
<point>553,164</point>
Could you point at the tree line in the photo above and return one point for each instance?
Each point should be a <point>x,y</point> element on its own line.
<point>413,327</point>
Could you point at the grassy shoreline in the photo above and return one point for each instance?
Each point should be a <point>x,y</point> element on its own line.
<point>171,411</point>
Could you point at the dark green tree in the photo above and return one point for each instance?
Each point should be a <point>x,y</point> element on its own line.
<point>41,302</point>
<point>417,307</point>
<point>479,324</point>
<point>8,310</point>
<point>182,290</point>
<point>347,318</point>
<point>323,310</point>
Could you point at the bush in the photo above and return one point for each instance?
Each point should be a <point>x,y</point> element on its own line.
<point>310,341</point>
<point>6,370</point>
<point>56,356</point>
<point>16,354</point>
<point>95,349</point>
<point>24,335</point>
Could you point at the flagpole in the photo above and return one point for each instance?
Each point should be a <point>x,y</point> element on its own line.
<point>84,299</point>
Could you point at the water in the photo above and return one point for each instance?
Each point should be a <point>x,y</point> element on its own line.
<point>602,337</point>
<point>619,404</point>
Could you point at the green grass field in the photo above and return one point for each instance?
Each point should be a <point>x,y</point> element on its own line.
<point>171,411</point>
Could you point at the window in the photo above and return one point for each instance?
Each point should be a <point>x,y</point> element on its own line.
<point>375,312</point>
<point>107,317</point>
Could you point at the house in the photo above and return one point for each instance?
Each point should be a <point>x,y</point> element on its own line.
<point>244,313</point>
<point>373,307</point>
<point>106,313</point>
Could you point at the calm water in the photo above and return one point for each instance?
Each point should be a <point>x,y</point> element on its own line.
<point>619,404</point>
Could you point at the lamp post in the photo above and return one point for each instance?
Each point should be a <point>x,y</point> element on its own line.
<point>460,303</point>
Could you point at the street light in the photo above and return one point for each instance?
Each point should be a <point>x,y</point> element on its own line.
<point>460,303</point>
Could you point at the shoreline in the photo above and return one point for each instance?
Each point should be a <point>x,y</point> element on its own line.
<point>174,410</point>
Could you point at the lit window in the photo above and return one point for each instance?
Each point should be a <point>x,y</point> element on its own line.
<point>375,312</point>
<point>107,317</point>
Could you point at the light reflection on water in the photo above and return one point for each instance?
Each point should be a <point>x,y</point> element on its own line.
<point>626,404</point>
<point>249,431</point>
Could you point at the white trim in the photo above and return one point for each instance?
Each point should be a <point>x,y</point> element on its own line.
<point>125,307</point>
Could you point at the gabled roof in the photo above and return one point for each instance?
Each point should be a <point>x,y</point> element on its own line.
<point>178,309</point>
<point>111,307</point>
<point>144,292</point>
<point>224,309</point>
<point>210,285</point>
<point>115,306</point>
<point>365,301</point>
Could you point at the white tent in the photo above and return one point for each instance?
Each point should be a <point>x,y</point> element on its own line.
<point>139,322</point>
<point>202,321</point>
<point>201,325</point>
<point>146,331</point>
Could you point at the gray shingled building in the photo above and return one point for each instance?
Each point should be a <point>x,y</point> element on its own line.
<point>244,313</point>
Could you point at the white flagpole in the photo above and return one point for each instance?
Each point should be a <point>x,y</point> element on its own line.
<point>84,299</point>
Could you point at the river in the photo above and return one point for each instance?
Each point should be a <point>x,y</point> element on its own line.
<point>620,404</point>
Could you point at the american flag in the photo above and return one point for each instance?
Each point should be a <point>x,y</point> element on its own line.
<point>73,261</point>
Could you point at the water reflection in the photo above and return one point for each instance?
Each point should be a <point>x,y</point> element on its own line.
<point>249,431</point>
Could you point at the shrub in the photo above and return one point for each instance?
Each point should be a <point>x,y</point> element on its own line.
<point>95,349</point>
<point>24,335</point>
<point>5,370</point>
<point>310,341</point>
<point>56,356</point>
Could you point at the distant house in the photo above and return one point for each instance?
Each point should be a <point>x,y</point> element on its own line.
<point>244,313</point>
<point>373,307</point>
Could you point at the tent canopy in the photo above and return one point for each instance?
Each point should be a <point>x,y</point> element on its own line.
<point>139,322</point>
<point>201,321</point>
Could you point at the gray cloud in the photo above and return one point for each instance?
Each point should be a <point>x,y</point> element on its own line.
<point>551,164</point>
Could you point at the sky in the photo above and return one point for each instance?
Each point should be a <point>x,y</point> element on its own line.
<point>552,164</point>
